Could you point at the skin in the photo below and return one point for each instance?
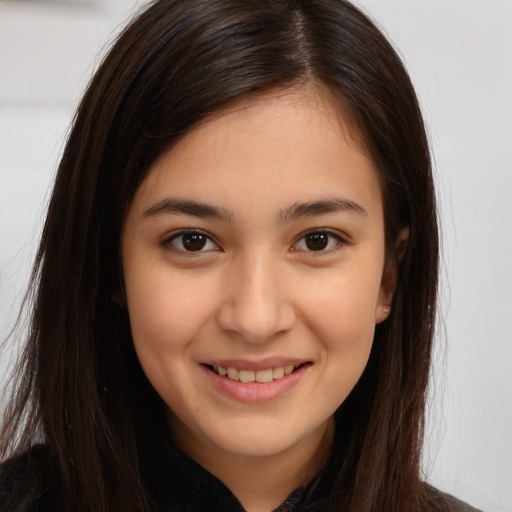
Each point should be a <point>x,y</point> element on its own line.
<point>256,290</point>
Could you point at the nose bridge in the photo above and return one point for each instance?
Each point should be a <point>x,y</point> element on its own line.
<point>256,306</point>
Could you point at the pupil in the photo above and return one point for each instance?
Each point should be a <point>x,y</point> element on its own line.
<point>317,241</point>
<point>194,242</point>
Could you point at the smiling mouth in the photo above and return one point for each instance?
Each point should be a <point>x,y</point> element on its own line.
<point>261,376</point>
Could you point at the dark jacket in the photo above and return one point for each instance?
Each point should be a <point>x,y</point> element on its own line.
<point>175,483</point>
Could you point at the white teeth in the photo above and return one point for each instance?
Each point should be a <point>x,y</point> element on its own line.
<point>264,376</point>
<point>278,372</point>
<point>255,376</point>
<point>247,376</point>
<point>233,373</point>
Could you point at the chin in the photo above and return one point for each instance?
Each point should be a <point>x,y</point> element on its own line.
<point>255,445</point>
<point>260,438</point>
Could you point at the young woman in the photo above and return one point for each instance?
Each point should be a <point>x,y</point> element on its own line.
<point>235,291</point>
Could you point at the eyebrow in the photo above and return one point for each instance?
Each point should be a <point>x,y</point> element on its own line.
<point>295,211</point>
<point>312,208</point>
<point>187,207</point>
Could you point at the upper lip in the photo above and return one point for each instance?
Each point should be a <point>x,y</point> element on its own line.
<point>261,364</point>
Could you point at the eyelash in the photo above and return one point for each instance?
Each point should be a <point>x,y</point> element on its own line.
<point>168,242</point>
<point>339,241</point>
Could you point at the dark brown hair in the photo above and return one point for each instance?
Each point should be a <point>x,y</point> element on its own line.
<point>80,388</point>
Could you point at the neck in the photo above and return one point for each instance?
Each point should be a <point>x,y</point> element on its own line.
<point>278,474</point>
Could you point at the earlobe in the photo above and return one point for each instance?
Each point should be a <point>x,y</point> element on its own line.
<point>390,275</point>
<point>383,311</point>
<point>401,243</point>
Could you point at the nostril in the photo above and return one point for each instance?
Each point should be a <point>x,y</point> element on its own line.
<point>258,324</point>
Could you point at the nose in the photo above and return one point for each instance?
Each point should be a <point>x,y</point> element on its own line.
<point>256,305</point>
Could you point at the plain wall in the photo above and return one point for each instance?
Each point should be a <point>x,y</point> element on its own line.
<point>459,53</point>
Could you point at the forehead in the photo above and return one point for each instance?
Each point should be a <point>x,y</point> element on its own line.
<point>281,147</point>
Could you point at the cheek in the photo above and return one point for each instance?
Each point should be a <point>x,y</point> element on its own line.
<point>346,333</point>
<point>166,315</point>
<point>340,314</point>
<point>166,311</point>
<point>343,303</point>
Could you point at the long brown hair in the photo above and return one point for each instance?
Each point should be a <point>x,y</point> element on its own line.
<point>80,388</point>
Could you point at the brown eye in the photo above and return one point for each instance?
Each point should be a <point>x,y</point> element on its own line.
<point>316,241</point>
<point>191,242</point>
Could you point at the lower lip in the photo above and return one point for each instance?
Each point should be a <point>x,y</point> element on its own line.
<point>255,392</point>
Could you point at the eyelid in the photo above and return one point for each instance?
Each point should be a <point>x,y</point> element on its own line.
<point>342,241</point>
<point>166,241</point>
<point>169,237</point>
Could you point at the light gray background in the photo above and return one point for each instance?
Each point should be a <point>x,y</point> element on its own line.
<point>459,53</point>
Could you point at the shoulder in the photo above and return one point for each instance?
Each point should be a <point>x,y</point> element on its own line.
<point>438,501</point>
<point>25,481</point>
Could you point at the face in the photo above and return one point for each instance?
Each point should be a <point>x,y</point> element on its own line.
<point>254,266</point>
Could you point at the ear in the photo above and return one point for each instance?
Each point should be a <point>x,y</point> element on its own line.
<point>389,276</point>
